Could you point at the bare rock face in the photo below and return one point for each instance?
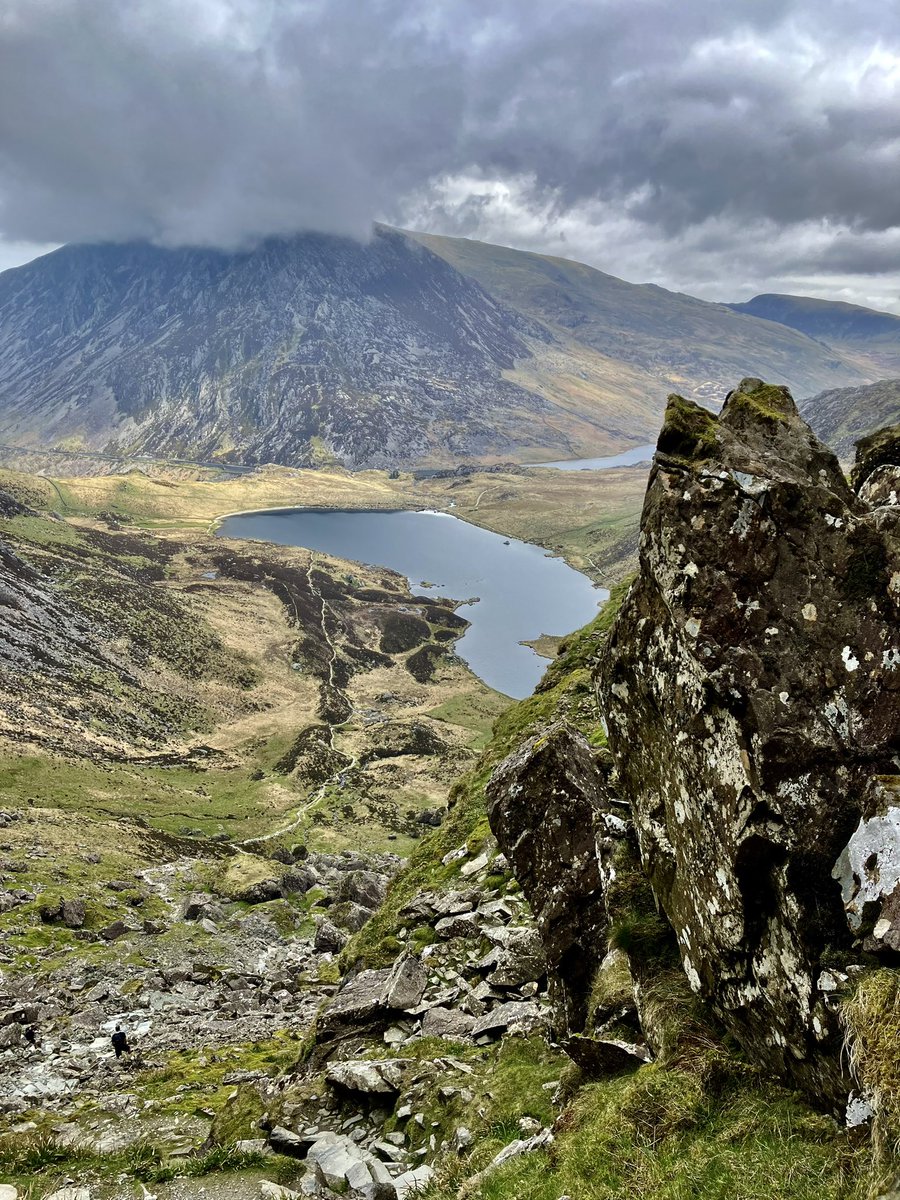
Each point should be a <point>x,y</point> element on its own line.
<point>545,804</point>
<point>752,694</point>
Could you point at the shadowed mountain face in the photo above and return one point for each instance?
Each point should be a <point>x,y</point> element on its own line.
<point>395,352</point>
<point>199,352</point>
<point>869,338</point>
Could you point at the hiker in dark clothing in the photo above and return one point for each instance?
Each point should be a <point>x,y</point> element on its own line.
<point>120,1042</point>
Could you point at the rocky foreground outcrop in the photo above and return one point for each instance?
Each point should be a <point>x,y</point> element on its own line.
<point>751,692</point>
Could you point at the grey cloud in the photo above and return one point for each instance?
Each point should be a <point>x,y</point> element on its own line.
<point>219,121</point>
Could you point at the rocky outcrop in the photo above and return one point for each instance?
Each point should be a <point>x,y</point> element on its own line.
<point>545,805</point>
<point>752,693</point>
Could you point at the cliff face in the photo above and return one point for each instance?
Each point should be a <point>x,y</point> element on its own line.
<point>752,695</point>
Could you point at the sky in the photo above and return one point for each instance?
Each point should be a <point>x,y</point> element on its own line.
<point>718,148</point>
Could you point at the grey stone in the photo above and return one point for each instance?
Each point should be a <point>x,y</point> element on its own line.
<point>115,930</point>
<point>545,803</point>
<point>335,1162</point>
<point>292,1145</point>
<point>328,937</point>
<point>405,985</point>
<point>371,1077</point>
<point>357,1002</point>
<point>749,688</point>
<point>598,1057</point>
<point>523,1014</point>
<point>447,1023</point>
<point>365,888</point>
<point>460,926</point>
<point>410,1183</point>
<point>196,905</point>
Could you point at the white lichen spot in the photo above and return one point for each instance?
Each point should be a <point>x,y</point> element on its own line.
<point>692,976</point>
<point>744,519</point>
<point>810,613</point>
<point>692,627</point>
<point>837,522</point>
<point>890,659</point>
<point>784,697</point>
<point>850,661</point>
<point>691,569</point>
<point>876,840</point>
<point>620,691</point>
<point>772,631</point>
<point>859,1111</point>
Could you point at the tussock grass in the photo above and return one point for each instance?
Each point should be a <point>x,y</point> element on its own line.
<point>871,1018</point>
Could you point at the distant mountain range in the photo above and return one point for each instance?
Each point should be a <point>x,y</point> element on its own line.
<point>869,338</point>
<point>410,349</point>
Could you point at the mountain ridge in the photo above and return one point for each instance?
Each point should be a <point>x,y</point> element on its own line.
<point>317,348</point>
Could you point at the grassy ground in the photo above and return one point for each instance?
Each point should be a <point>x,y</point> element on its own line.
<point>664,1134</point>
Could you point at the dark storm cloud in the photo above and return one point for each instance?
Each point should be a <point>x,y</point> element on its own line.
<point>222,120</point>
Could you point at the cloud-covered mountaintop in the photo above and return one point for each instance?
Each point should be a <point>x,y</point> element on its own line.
<point>674,142</point>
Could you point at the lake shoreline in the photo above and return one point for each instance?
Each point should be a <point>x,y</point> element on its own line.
<point>524,589</point>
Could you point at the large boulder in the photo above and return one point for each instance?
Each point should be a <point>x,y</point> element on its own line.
<point>751,688</point>
<point>373,999</point>
<point>546,802</point>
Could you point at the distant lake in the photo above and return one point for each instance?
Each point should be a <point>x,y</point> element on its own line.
<point>628,458</point>
<point>521,592</point>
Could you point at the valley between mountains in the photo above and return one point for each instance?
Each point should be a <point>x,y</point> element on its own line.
<point>374,930</point>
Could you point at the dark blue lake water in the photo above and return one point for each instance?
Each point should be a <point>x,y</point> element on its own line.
<point>521,592</point>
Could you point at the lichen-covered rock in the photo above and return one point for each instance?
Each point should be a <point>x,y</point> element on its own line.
<point>752,694</point>
<point>544,802</point>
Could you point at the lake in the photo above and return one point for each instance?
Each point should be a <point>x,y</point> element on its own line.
<point>521,591</point>
<point>628,458</point>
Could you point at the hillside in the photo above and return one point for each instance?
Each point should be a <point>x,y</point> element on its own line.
<point>677,341</point>
<point>570,985</point>
<point>403,351</point>
<point>841,417</point>
<point>866,336</point>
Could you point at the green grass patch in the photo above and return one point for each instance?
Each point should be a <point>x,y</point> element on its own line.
<point>663,1134</point>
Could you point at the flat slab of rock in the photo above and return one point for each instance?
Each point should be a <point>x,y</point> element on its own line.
<point>357,1001</point>
<point>371,1077</point>
<point>447,1023</point>
<point>339,1165</point>
<point>520,1013</point>
<point>405,985</point>
<point>598,1057</point>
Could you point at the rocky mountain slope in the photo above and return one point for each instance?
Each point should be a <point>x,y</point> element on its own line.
<point>401,351</point>
<point>650,948</point>
<point>377,354</point>
<point>843,416</point>
<point>867,336</point>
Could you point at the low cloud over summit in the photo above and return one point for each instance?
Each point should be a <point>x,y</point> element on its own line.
<point>707,146</point>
